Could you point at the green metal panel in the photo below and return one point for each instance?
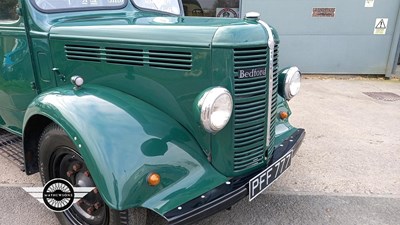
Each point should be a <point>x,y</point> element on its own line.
<point>342,44</point>
<point>84,49</point>
<point>140,140</point>
<point>131,118</point>
<point>15,75</point>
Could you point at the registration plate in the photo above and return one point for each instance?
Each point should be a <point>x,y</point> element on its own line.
<point>264,179</point>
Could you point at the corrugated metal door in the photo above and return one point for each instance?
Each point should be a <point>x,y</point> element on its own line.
<point>345,43</point>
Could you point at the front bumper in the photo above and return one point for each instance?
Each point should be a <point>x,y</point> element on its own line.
<point>225,195</point>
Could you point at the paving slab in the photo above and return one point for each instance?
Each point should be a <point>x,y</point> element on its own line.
<point>353,141</point>
<point>19,208</point>
<point>284,208</point>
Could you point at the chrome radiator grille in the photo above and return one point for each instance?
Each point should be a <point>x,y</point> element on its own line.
<point>274,101</point>
<point>250,109</point>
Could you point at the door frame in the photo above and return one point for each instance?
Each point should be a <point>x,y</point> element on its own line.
<point>394,49</point>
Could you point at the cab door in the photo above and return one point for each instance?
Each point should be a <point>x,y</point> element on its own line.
<point>16,73</point>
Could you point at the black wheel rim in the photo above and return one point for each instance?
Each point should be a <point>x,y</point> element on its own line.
<point>69,165</point>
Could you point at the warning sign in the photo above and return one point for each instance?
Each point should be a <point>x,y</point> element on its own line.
<point>369,3</point>
<point>381,25</point>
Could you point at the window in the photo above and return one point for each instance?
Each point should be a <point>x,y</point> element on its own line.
<point>8,12</point>
<point>169,6</point>
<point>76,5</point>
<point>212,8</point>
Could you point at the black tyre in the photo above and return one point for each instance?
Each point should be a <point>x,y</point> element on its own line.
<point>59,158</point>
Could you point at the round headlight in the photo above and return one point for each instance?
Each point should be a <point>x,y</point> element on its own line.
<point>216,109</point>
<point>292,82</point>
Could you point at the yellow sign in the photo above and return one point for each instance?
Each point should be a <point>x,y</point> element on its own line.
<point>381,25</point>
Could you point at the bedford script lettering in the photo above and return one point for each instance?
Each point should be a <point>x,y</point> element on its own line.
<point>257,72</point>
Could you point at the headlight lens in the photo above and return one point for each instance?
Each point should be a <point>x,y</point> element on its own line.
<point>292,82</point>
<point>216,109</point>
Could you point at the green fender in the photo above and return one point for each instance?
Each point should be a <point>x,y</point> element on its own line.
<point>122,139</point>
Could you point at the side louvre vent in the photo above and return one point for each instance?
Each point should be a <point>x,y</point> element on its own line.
<point>170,60</point>
<point>124,56</point>
<point>127,56</point>
<point>83,53</point>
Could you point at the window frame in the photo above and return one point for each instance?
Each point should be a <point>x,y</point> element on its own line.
<point>240,2</point>
<point>12,22</point>
<point>95,8</point>
<point>158,11</point>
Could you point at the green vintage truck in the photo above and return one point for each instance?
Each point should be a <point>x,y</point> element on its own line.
<point>175,116</point>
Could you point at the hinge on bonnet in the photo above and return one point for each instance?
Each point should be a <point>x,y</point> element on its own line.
<point>209,157</point>
<point>33,86</point>
<point>59,74</point>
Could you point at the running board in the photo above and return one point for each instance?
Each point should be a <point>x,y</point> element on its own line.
<point>11,148</point>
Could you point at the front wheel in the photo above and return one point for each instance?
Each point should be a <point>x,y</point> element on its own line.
<point>59,158</point>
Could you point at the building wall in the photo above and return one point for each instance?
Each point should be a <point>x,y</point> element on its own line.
<point>343,44</point>
<point>346,43</point>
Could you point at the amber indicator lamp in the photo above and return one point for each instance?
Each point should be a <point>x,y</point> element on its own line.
<point>283,115</point>
<point>153,179</point>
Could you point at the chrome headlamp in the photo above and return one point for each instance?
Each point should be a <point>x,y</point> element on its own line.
<point>289,82</point>
<point>215,109</point>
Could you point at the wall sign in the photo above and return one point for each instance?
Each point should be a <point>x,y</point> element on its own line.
<point>227,12</point>
<point>323,12</point>
<point>381,25</point>
<point>369,3</point>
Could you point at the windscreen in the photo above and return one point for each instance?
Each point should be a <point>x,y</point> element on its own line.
<point>56,5</point>
<point>169,6</point>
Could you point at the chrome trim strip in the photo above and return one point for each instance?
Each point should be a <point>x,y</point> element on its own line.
<point>271,45</point>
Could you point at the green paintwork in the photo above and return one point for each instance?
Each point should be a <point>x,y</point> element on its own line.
<point>123,140</point>
<point>224,41</point>
<point>283,129</point>
<point>130,120</point>
<point>15,75</point>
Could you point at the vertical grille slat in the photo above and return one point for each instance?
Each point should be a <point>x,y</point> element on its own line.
<point>251,107</point>
<point>255,133</point>
<point>246,58</point>
<point>250,63</point>
<point>248,152</point>
<point>274,104</point>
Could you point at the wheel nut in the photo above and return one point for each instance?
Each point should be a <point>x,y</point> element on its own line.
<point>90,210</point>
<point>97,205</point>
<point>76,167</point>
<point>86,173</point>
<point>70,173</point>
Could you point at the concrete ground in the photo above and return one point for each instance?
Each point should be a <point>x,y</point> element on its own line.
<point>397,72</point>
<point>346,172</point>
<point>353,141</point>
